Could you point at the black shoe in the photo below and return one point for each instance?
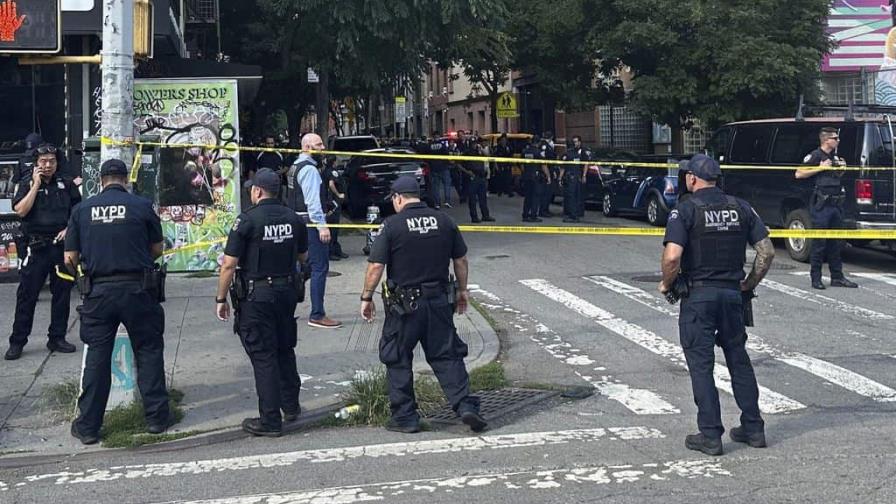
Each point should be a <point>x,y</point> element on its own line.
<point>14,352</point>
<point>291,416</point>
<point>816,284</point>
<point>488,219</point>
<point>160,427</point>
<point>475,220</point>
<point>342,255</point>
<point>701,443</point>
<point>410,428</point>
<point>756,439</point>
<point>61,346</point>
<point>87,439</point>
<point>253,426</point>
<point>474,420</point>
<point>570,219</point>
<point>334,257</point>
<point>842,282</point>
<point>532,219</point>
<point>546,215</point>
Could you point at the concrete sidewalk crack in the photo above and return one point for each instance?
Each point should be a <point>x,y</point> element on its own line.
<point>180,333</point>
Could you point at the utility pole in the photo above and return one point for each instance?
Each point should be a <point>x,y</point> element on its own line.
<point>118,80</point>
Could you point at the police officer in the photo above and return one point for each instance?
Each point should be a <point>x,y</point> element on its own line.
<point>572,177</point>
<point>265,243</point>
<point>552,174</point>
<point>532,180</point>
<point>504,178</point>
<point>114,238</point>
<point>420,299</point>
<point>477,173</point>
<point>44,202</point>
<point>333,192</point>
<point>826,208</point>
<point>705,244</point>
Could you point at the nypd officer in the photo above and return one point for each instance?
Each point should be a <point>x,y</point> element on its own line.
<point>113,238</point>
<point>572,177</point>
<point>44,202</point>
<point>265,242</point>
<point>826,208</point>
<point>705,243</point>
<point>420,299</point>
<point>532,181</point>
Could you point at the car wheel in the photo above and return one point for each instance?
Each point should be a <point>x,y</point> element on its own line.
<point>798,248</point>
<point>608,209</point>
<point>656,214</point>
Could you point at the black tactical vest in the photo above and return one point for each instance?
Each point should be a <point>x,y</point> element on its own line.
<point>51,209</point>
<point>717,242</point>
<point>296,198</point>
<point>271,252</point>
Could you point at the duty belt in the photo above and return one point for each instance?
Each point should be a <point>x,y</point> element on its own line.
<point>722,284</point>
<point>278,281</point>
<point>122,277</point>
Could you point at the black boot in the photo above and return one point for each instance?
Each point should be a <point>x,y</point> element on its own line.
<point>701,443</point>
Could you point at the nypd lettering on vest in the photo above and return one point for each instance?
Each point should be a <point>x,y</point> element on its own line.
<point>422,225</point>
<point>277,233</point>
<point>108,214</point>
<point>721,220</point>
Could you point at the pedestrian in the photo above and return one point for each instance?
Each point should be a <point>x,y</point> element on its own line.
<point>307,200</point>
<point>269,158</point>
<point>705,244</point>
<point>335,198</point>
<point>477,173</point>
<point>459,148</point>
<point>44,202</point>
<point>532,180</point>
<point>262,260</point>
<point>441,172</point>
<point>572,178</point>
<point>550,185</point>
<point>27,159</point>
<point>420,299</point>
<point>826,208</point>
<point>504,176</point>
<point>113,238</point>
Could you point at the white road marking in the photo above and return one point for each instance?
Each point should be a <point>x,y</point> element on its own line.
<point>824,301</point>
<point>504,482</point>
<point>326,455</point>
<point>769,401</point>
<point>640,401</point>
<point>827,371</point>
<point>887,278</point>
<point>880,277</point>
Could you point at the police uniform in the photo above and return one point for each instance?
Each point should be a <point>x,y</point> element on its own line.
<point>477,188</point>
<point>268,238</point>
<point>504,178</point>
<point>548,185</point>
<point>573,197</point>
<point>113,233</point>
<point>48,216</point>
<point>530,178</point>
<point>426,313</point>
<point>440,173</point>
<point>826,212</point>
<point>714,230</point>
<point>332,207</point>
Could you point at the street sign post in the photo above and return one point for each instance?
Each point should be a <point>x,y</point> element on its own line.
<point>507,108</point>
<point>30,26</point>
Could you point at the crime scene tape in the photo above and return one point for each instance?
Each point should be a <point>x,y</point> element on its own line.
<point>233,147</point>
<point>837,234</point>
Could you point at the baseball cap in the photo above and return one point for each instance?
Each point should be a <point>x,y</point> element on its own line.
<point>113,167</point>
<point>266,179</point>
<point>404,184</point>
<point>704,167</point>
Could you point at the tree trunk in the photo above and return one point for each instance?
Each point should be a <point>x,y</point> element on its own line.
<point>494,112</point>
<point>322,105</point>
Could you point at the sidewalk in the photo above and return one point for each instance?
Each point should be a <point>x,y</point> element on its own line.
<point>205,360</point>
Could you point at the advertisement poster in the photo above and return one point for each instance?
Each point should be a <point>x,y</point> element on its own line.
<point>199,186</point>
<point>860,28</point>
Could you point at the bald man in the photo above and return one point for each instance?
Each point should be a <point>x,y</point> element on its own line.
<point>307,199</point>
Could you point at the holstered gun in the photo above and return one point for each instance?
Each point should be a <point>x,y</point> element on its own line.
<point>154,281</point>
<point>392,298</point>
<point>680,290</point>
<point>239,291</point>
<point>299,280</point>
<point>747,297</point>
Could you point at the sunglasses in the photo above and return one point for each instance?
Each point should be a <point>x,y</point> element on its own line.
<point>835,138</point>
<point>46,149</point>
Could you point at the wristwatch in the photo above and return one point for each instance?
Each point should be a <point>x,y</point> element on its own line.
<point>367,299</point>
<point>221,300</point>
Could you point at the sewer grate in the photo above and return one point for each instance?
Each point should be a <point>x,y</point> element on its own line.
<point>496,403</point>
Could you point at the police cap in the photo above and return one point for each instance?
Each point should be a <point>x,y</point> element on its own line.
<point>405,184</point>
<point>704,167</point>
<point>113,167</point>
<point>266,179</point>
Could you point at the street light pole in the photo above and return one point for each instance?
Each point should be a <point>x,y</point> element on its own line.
<point>118,80</point>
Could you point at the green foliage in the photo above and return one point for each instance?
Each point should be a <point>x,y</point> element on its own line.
<point>60,401</point>
<point>125,427</point>
<point>488,377</point>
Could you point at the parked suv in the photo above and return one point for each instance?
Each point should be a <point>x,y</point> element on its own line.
<point>783,201</point>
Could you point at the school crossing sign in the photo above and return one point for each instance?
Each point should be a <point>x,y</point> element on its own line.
<point>30,26</point>
<point>507,108</point>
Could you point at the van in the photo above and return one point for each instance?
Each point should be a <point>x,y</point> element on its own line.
<point>781,200</point>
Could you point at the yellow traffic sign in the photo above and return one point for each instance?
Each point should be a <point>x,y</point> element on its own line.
<point>507,106</point>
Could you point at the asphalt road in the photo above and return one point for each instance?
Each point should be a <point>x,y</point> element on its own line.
<point>578,310</point>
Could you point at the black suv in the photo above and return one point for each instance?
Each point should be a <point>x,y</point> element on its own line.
<point>783,201</point>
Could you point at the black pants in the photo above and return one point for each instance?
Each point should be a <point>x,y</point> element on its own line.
<point>573,207</point>
<point>269,334</point>
<point>547,195</point>
<point>826,217</point>
<point>107,306</point>
<point>477,193</point>
<point>530,198</point>
<point>431,324</point>
<point>335,246</point>
<point>461,183</point>
<point>714,316</point>
<point>38,264</point>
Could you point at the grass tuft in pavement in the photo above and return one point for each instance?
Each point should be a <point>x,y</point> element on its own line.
<point>125,427</point>
<point>60,401</point>
<point>485,314</point>
<point>488,377</point>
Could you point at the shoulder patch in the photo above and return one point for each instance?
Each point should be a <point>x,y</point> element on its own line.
<point>236,224</point>
<point>807,158</point>
<point>673,214</point>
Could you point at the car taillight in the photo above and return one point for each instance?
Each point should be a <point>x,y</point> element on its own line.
<point>670,187</point>
<point>363,176</point>
<point>864,192</point>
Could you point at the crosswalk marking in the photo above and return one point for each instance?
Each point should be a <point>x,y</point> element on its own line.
<point>769,401</point>
<point>407,449</point>
<point>539,479</point>
<point>639,401</point>
<point>887,278</point>
<point>824,300</point>
<point>832,373</point>
<point>878,277</point>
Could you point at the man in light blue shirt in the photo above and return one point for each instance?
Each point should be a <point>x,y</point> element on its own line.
<point>307,202</point>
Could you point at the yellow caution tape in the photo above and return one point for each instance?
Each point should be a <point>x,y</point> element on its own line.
<point>233,147</point>
<point>64,276</point>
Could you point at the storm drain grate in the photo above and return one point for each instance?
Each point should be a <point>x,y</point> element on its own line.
<point>496,403</point>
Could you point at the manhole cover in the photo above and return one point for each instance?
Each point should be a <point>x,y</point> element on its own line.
<point>498,256</point>
<point>496,403</point>
<point>648,278</point>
